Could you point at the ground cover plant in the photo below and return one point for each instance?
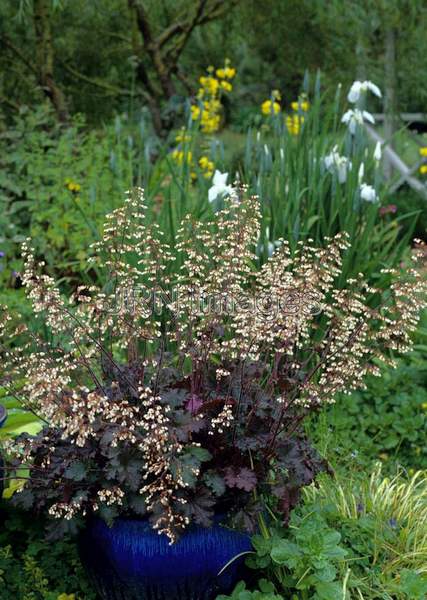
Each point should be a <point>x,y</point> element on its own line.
<point>351,538</point>
<point>29,572</point>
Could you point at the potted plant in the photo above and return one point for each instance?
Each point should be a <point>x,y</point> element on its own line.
<point>173,395</point>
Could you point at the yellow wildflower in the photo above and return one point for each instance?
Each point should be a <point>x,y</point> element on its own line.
<point>423,169</point>
<point>66,597</point>
<point>195,112</point>
<point>303,105</point>
<point>182,136</point>
<point>208,93</point>
<point>226,73</point>
<point>72,186</point>
<point>210,122</point>
<point>293,123</point>
<point>209,84</point>
<point>180,156</point>
<point>212,106</point>
<point>226,86</point>
<point>207,166</point>
<point>204,162</point>
<point>269,107</point>
<point>423,151</point>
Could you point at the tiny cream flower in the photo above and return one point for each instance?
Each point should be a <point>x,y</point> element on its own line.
<point>368,193</point>
<point>335,163</point>
<point>361,172</point>
<point>360,87</point>
<point>378,152</point>
<point>220,187</point>
<point>352,118</point>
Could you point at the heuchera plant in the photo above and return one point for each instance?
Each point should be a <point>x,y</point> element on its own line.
<point>178,390</point>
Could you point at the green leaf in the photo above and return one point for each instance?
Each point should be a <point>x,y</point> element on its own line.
<point>262,545</point>
<point>18,422</point>
<point>327,574</point>
<point>200,453</point>
<point>329,591</point>
<point>413,584</point>
<point>215,482</point>
<point>266,586</point>
<point>285,553</point>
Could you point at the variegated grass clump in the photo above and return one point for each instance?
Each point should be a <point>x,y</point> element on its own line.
<point>173,408</point>
<point>392,515</point>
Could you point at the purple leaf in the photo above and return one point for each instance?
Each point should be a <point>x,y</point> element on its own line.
<point>243,479</point>
<point>193,404</point>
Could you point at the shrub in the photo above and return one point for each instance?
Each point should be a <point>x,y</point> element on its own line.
<point>57,184</point>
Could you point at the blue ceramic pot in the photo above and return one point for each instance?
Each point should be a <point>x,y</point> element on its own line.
<point>131,561</point>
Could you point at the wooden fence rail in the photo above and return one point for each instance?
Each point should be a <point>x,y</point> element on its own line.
<point>407,173</point>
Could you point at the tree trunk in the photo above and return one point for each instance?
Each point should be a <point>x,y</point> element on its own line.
<point>153,96</point>
<point>389,95</point>
<point>158,54</point>
<point>45,58</point>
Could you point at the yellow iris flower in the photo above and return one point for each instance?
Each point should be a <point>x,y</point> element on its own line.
<point>180,156</point>
<point>303,105</point>
<point>269,107</point>
<point>293,123</point>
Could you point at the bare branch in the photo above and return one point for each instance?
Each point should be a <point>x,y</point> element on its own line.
<point>96,82</point>
<point>180,27</point>
<point>143,22</point>
<point>214,11</point>
<point>193,23</point>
